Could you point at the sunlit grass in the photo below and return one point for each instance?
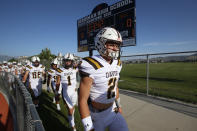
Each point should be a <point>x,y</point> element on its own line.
<point>172,80</point>
<point>54,120</point>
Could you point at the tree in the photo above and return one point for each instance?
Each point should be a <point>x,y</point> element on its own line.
<point>12,60</point>
<point>46,55</point>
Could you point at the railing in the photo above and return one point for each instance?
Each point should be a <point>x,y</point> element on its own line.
<point>170,75</point>
<point>24,113</point>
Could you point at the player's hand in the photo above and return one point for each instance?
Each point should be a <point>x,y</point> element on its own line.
<point>23,82</point>
<point>118,110</point>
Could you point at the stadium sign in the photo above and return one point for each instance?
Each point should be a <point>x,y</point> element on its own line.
<point>120,15</point>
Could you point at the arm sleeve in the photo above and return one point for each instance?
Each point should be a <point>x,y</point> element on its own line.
<point>58,73</point>
<point>27,69</point>
<point>86,70</point>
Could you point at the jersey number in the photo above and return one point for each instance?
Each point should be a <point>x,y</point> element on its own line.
<point>110,91</point>
<point>69,82</point>
<point>36,74</point>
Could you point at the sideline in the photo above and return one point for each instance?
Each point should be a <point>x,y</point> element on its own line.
<point>181,107</point>
<point>145,116</point>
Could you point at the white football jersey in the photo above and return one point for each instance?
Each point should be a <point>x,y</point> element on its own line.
<point>11,70</point>
<point>53,74</point>
<point>105,77</point>
<point>68,77</point>
<point>19,70</point>
<point>35,73</point>
<point>4,68</point>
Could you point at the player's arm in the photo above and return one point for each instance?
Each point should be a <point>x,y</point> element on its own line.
<point>48,80</point>
<point>16,72</point>
<point>25,76</point>
<point>58,78</point>
<point>44,76</point>
<point>84,92</point>
<point>117,101</point>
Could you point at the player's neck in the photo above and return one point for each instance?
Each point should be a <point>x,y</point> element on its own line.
<point>108,59</point>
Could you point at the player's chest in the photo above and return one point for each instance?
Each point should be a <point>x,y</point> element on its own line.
<point>36,73</point>
<point>104,75</point>
<point>66,73</point>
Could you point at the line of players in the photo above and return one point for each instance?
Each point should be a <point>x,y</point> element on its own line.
<point>13,67</point>
<point>99,101</point>
<point>62,80</point>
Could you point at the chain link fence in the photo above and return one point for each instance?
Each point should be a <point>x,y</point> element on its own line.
<point>169,75</point>
<point>24,113</point>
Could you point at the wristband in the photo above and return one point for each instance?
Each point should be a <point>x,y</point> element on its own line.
<point>87,123</point>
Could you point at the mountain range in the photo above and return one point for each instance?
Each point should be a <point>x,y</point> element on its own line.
<point>5,58</point>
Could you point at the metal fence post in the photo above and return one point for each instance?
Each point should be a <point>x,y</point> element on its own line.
<point>147,75</point>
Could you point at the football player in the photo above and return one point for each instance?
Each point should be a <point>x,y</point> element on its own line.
<point>99,102</point>
<point>20,71</point>
<point>36,72</point>
<point>1,66</point>
<point>5,66</point>
<point>52,79</point>
<point>67,77</point>
<point>12,71</point>
<point>11,68</point>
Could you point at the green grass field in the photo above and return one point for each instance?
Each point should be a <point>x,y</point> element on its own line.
<point>171,80</point>
<point>54,120</point>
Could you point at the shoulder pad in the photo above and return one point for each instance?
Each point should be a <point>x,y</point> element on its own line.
<point>119,62</point>
<point>28,66</point>
<point>59,70</point>
<point>96,64</point>
<point>50,71</point>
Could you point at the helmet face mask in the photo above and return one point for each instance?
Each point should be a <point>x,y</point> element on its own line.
<point>9,64</point>
<point>106,42</point>
<point>68,60</point>
<point>5,63</point>
<point>54,63</point>
<point>36,61</point>
<point>54,66</point>
<point>112,50</point>
<point>67,63</point>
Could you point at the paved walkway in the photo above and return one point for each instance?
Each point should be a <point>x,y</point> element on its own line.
<point>144,116</point>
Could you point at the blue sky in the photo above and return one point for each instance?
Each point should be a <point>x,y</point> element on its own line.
<point>28,26</point>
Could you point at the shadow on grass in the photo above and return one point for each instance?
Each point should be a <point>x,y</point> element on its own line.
<point>52,119</point>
